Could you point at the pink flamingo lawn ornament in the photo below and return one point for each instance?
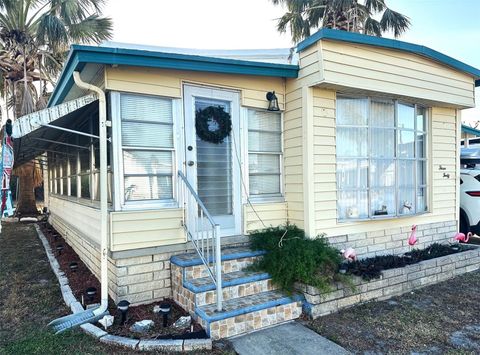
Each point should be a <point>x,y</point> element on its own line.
<point>412,240</point>
<point>461,237</point>
<point>350,254</point>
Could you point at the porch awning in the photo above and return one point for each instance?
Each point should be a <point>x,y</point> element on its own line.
<point>33,134</point>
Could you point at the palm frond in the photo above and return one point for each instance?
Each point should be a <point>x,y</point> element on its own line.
<point>92,29</point>
<point>395,22</point>
<point>372,27</point>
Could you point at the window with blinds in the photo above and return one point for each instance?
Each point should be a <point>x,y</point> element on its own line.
<point>147,147</point>
<point>381,158</point>
<point>264,153</point>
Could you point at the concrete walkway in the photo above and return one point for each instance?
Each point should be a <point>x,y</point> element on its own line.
<point>286,339</point>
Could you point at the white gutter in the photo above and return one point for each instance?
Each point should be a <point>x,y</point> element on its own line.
<point>103,124</point>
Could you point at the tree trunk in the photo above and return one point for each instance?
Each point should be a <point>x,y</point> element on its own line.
<point>26,204</point>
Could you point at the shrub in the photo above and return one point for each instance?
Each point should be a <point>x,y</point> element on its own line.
<point>293,257</point>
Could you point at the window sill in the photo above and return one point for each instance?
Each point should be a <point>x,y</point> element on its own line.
<point>149,205</point>
<point>380,218</point>
<point>81,201</point>
<point>266,199</point>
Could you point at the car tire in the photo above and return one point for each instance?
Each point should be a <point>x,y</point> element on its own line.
<point>464,225</point>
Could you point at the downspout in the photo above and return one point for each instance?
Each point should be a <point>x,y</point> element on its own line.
<point>103,124</point>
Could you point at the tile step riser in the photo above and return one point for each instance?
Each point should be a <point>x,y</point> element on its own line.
<point>252,321</point>
<point>199,271</point>
<point>231,292</point>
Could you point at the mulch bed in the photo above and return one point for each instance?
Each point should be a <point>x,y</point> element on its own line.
<point>82,278</point>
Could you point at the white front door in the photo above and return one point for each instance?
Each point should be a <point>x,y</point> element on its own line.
<point>214,169</point>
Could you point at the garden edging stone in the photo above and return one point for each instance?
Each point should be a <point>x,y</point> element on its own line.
<point>103,336</point>
<point>393,282</point>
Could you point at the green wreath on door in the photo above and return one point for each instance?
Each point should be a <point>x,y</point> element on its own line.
<point>203,124</point>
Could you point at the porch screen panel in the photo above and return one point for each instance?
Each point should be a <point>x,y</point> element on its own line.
<point>381,158</point>
<point>147,142</point>
<point>264,153</point>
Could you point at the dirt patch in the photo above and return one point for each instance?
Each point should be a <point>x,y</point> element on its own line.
<point>437,319</point>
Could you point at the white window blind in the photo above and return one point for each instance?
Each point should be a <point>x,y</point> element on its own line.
<point>381,158</point>
<point>264,153</point>
<point>147,147</point>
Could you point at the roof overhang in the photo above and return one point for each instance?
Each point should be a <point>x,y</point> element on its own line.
<point>43,130</point>
<point>352,37</point>
<point>470,130</point>
<point>80,55</point>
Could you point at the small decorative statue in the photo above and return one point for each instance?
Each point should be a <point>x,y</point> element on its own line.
<point>352,212</point>
<point>412,240</point>
<point>461,237</point>
<point>407,207</point>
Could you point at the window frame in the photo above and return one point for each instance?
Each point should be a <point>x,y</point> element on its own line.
<point>262,198</point>
<point>117,147</point>
<point>426,159</point>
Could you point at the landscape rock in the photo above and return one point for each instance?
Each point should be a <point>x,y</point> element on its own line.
<point>142,326</point>
<point>183,322</point>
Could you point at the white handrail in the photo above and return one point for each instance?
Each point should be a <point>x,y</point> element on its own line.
<point>203,232</point>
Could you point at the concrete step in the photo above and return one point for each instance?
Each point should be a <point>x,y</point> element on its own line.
<point>233,259</point>
<point>245,314</point>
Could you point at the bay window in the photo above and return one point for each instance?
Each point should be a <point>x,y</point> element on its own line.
<point>381,158</point>
<point>147,147</point>
<point>264,153</point>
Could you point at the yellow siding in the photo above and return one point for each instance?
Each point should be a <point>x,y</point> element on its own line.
<point>85,220</point>
<point>272,215</point>
<point>293,154</point>
<point>444,134</point>
<point>362,67</point>
<point>143,229</point>
<point>169,83</point>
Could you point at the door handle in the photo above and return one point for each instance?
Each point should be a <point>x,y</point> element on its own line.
<point>191,163</point>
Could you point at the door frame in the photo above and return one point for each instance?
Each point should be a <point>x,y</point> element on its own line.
<point>190,91</point>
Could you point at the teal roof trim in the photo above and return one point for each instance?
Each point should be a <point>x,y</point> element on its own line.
<point>81,55</point>
<point>352,37</point>
<point>470,130</point>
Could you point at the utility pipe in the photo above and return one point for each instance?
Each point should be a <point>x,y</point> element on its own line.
<point>103,124</point>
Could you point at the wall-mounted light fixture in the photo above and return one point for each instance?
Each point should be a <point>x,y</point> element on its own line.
<point>272,101</point>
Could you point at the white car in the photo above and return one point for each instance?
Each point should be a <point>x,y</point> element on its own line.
<point>470,190</point>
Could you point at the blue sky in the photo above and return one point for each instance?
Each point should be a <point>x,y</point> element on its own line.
<point>449,26</point>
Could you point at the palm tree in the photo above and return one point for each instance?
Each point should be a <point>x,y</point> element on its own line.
<point>349,15</point>
<point>35,36</point>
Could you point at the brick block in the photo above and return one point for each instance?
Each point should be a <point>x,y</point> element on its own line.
<point>164,292</point>
<point>147,286</point>
<point>380,240</point>
<point>143,268</point>
<point>348,301</point>
<point>370,295</point>
<point>134,261</point>
<point>448,267</point>
<point>134,279</point>
<point>324,308</point>
<point>163,274</point>
<point>397,280</point>
<point>393,290</point>
<point>139,297</point>
<point>373,285</point>
<point>162,345</point>
<point>376,247</point>
<point>197,344</point>
<point>415,275</point>
<point>121,341</point>
<point>356,236</point>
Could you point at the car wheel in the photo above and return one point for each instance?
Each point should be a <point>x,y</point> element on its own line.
<point>464,227</point>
